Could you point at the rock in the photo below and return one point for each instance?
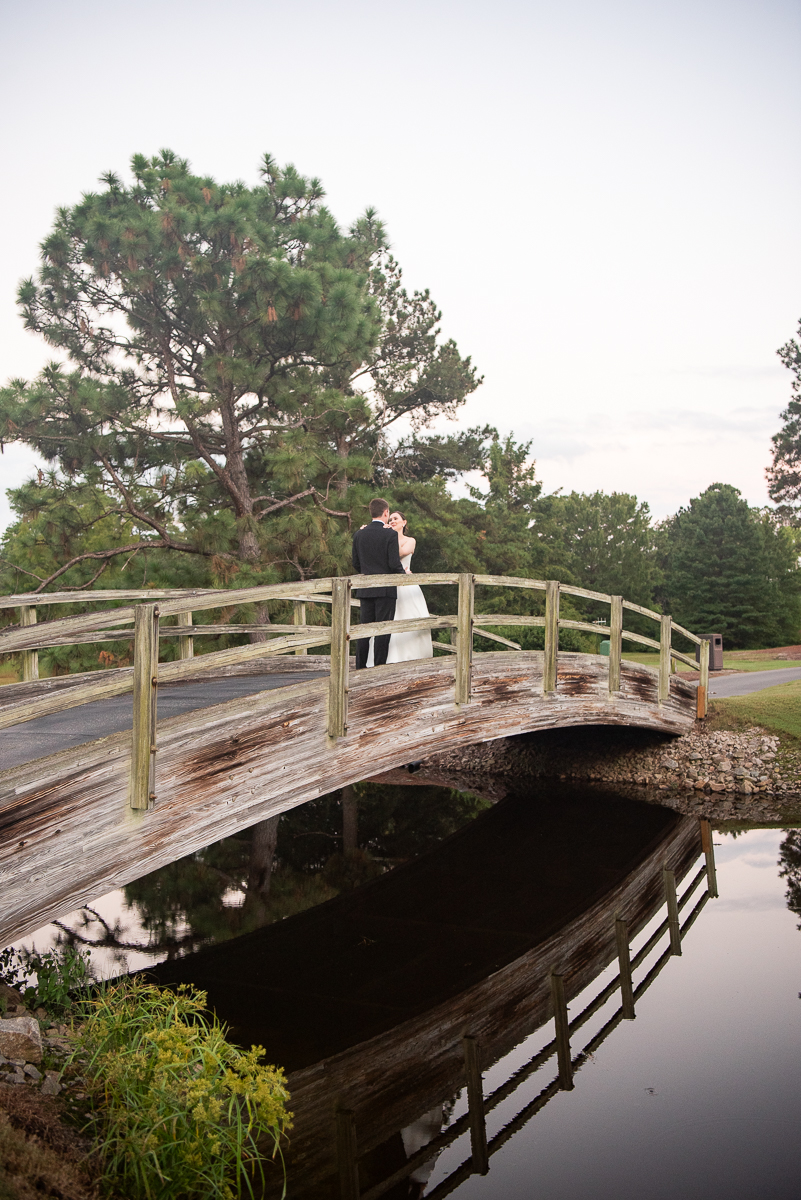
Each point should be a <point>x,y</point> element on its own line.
<point>12,997</point>
<point>745,786</point>
<point>20,1038</point>
<point>670,763</point>
<point>51,1085</point>
<point>717,787</point>
<point>33,1071</point>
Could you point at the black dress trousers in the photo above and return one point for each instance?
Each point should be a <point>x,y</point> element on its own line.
<point>375,608</point>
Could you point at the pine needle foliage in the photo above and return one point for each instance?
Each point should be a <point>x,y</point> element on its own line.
<point>178,1112</point>
<point>234,364</point>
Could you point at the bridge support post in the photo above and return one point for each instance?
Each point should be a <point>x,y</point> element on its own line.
<point>340,658</point>
<point>551,635</point>
<point>464,639</point>
<point>624,960</point>
<point>186,645</point>
<point>347,1152</point>
<point>562,1032</point>
<point>615,642</point>
<point>475,1106</point>
<point>30,658</point>
<point>709,854</point>
<point>703,682</point>
<point>673,911</point>
<point>145,686</point>
<point>299,618</point>
<point>664,657</point>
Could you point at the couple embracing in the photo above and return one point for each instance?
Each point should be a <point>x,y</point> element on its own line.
<point>382,548</point>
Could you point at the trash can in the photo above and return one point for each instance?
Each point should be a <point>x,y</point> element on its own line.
<point>603,648</point>
<point>715,651</point>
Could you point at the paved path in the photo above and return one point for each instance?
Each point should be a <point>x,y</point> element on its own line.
<point>35,739</point>
<point>750,681</point>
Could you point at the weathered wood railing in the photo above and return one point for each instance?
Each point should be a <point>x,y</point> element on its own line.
<point>473,1121</point>
<point>147,673</point>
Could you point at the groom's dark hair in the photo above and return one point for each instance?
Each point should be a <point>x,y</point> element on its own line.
<point>378,507</point>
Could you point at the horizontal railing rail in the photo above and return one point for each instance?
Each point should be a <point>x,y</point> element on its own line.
<point>474,1120</point>
<point>143,622</point>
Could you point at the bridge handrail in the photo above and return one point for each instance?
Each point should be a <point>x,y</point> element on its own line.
<point>338,591</point>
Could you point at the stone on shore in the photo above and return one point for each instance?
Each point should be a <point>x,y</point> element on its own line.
<point>21,1039</point>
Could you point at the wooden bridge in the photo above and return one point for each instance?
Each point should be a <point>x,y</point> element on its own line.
<point>79,822</point>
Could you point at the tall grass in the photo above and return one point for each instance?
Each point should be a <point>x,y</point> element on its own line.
<point>177,1110</point>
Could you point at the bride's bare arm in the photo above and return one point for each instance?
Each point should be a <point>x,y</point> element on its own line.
<point>406,545</point>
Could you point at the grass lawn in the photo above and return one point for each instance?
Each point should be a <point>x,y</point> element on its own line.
<point>775,708</point>
<point>731,662</point>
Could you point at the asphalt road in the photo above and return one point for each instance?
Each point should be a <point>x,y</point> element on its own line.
<point>750,681</point>
<point>35,739</point>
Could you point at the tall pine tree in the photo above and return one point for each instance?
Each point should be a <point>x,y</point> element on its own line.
<point>235,366</point>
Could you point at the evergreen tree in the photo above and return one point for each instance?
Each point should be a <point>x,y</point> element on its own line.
<point>784,474</point>
<point>235,366</point>
<point>732,569</point>
<point>602,541</point>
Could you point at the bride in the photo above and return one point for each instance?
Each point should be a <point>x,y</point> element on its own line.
<point>410,603</point>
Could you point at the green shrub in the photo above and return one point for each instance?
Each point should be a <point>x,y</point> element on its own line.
<point>177,1111</point>
<point>61,975</point>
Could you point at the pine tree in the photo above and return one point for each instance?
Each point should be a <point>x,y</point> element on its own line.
<point>732,569</point>
<point>235,366</point>
<point>784,474</point>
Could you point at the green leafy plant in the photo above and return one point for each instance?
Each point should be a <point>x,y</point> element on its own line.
<point>61,974</point>
<point>58,976</point>
<point>177,1110</point>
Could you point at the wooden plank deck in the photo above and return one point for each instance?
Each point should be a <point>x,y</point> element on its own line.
<point>68,833</point>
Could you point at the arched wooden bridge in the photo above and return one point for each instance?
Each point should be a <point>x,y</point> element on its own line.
<point>82,821</point>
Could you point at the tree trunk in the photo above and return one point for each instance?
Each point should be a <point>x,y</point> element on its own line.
<point>262,852</point>
<point>350,820</point>
<point>342,455</point>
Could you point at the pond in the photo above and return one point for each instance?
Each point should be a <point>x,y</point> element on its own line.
<point>448,1001</point>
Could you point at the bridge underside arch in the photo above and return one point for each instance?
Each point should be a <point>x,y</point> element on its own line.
<point>68,835</point>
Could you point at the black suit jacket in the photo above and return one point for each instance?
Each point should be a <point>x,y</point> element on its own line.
<point>376,552</point>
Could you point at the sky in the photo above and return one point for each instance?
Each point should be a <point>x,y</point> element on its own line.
<point>601,197</point>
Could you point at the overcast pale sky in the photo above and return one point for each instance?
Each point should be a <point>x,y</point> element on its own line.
<point>602,197</point>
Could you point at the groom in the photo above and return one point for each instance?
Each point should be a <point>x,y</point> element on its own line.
<point>376,552</point>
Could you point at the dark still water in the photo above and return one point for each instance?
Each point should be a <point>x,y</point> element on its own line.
<point>464,1010</point>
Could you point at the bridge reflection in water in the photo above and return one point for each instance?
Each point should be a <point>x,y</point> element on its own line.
<point>386,1002</point>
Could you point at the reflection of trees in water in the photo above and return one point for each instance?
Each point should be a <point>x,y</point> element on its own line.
<point>790,864</point>
<point>279,867</point>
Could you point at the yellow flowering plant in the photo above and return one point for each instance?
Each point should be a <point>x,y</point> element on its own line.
<point>177,1111</point>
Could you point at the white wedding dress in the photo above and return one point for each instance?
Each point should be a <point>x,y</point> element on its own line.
<point>417,644</point>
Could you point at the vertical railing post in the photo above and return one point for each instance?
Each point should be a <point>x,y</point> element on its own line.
<point>346,1154</point>
<point>703,682</point>
<point>340,658</point>
<point>615,642</point>
<point>664,658</point>
<point>145,686</point>
<point>186,645</point>
<point>475,1106</point>
<point>551,635</point>
<point>709,854</point>
<point>624,960</point>
<point>464,639</point>
<point>673,911</point>
<point>562,1032</point>
<point>30,658</point>
<point>299,618</point>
